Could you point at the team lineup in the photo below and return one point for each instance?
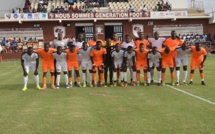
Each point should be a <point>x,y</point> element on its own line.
<point>111,59</point>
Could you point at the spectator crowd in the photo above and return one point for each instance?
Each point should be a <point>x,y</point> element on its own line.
<point>16,44</point>
<point>87,6</point>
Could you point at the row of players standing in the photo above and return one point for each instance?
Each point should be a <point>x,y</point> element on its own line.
<point>114,55</point>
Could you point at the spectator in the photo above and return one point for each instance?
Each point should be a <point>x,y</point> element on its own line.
<point>83,9</point>
<point>159,6</point>
<point>19,44</point>
<point>30,39</point>
<point>20,10</point>
<point>57,9</point>
<point>76,9</point>
<point>80,9</point>
<point>44,10</point>
<point>61,10</point>
<point>17,10</point>
<point>52,9</point>
<point>35,40</point>
<point>205,36</point>
<point>131,9</point>
<point>3,42</point>
<point>34,10</point>
<point>168,7</point>
<point>13,11</point>
<point>7,46</point>
<point>39,9</point>
<point>66,9</point>
<point>209,37</point>
<point>14,45</point>
<point>24,40</point>
<point>144,9</point>
<point>70,9</point>
<point>93,9</point>
<point>89,9</point>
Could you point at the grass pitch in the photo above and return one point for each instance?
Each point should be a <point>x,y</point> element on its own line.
<point>145,110</point>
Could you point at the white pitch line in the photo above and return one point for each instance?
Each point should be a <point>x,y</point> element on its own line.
<point>192,95</point>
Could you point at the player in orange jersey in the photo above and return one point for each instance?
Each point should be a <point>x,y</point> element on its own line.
<point>92,43</point>
<point>199,55</point>
<point>47,63</point>
<point>72,62</point>
<point>115,39</point>
<point>141,62</point>
<point>97,57</point>
<point>173,42</point>
<point>141,40</point>
<point>167,59</point>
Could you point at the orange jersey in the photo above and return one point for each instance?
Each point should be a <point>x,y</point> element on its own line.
<point>72,57</point>
<point>115,42</point>
<point>98,55</point>
<point>138,42</point>
<point>141,57</point>
<point>197,55</point>
<point>93,43</point>
<point>46,56</point>
<point>172,44</point>
<point>167,57</point>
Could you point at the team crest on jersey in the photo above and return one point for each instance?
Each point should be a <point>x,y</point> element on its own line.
<point>137,28</point>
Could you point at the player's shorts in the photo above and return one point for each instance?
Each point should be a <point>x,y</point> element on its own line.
<point>139,65</point>
<point>169,63</point>
<point>97,67</point>
<point>86,65</point>
<point>61,65</point>
<point>156,63</point>
<point>29,66</point>
<point>117,64</point>
<point>72,65</point>
<point>195,64</point>
<point>48,66</point>
<point>129,63</point>
<point>181,61</point>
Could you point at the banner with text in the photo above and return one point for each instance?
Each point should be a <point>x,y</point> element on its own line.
<point>167,14</point>
<point>97,15</point>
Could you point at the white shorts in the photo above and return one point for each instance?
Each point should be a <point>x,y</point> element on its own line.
<point>117,64</point>
<point>61,65</point>
<point>29,66</point>
<point>86,65</point>
<point>129,64</point>
<point>79,59</point>
<point>156,63</point>
<point>181,61</point>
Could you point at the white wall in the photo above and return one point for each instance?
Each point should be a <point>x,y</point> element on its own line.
<point>179,4</point>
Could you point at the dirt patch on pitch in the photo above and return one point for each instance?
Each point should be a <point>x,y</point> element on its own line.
<point>100,93</point>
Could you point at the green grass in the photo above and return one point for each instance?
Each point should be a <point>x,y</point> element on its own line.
<point>139,110</point>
